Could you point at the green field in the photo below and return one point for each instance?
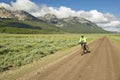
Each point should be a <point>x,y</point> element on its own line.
<point>40,27</point>
<point>115,38</point>
<point>27,27</point>
<point>21,54</point>
<point>21,49</point>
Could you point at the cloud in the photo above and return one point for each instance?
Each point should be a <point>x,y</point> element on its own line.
<point>61,12</point>
<point>7,6</point>
<point>106,20</point>
<point>26,5</point>
<point>93,15</point>
<point>110,24</point>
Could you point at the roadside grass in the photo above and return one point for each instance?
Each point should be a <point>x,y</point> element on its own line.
<point>20,50</point>
<point>115,38</point>
<point>36,66</point>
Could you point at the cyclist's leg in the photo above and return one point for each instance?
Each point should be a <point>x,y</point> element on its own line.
<point>85,48</point>
<point>81,45</point>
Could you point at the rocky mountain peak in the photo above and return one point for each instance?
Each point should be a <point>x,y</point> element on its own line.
<point>18,15</point>
<point>49,16</point>
<point>4,13</point>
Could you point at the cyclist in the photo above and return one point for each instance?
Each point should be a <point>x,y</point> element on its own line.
<point>83,42</point>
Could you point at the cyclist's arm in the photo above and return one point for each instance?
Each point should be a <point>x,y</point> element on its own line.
<point>80,40</point>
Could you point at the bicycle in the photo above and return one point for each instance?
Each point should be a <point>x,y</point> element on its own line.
<point>85,48</point>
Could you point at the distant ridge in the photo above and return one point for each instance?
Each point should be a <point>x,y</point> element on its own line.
<point>23,22</point>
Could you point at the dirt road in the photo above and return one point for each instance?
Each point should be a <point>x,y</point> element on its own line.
<point>103,63</point>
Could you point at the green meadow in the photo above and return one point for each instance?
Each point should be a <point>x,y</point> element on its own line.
<point>115,38</point>
<point>20,49</point>
<point>23,53</point>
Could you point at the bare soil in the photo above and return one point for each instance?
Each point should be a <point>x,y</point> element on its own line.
<point>103,63</point>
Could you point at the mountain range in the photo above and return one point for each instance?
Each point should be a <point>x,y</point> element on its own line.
<point>24,22</point>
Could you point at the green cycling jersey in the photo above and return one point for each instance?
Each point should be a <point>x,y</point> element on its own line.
<point>83,39</point>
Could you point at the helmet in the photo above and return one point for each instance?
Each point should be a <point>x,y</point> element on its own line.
<point>82,35</point>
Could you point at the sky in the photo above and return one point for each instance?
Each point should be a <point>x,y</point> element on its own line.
<point>105,13</point>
